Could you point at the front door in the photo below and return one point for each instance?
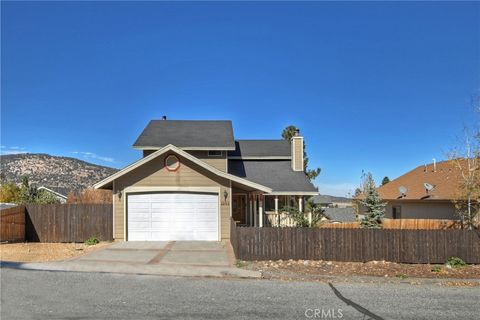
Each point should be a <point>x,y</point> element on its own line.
<point>239,205</point>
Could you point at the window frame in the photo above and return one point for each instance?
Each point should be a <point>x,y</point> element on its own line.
<point>210,153</point>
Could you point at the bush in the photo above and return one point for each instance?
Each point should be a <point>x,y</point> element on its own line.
<point>93,240</point>
<point>455,262</point>
<point>437,269</point>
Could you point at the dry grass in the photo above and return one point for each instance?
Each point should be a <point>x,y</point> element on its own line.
<point>318,268</point>
<point>42,252</point>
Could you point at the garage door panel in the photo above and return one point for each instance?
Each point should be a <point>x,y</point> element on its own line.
<point>172,216</point>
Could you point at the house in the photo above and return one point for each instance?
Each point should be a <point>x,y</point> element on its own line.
<point>194,179</point>
<point>326,201</point>
<point>346,214</point>
<point>60,193</point>
<point>426,192</point>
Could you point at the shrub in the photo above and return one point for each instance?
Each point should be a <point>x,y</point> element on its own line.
<point>455,262</point>
<point>93,240</point>
<point>301,218</point>
<point>437,269</point>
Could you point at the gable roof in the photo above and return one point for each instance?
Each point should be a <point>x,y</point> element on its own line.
<point>276,174</point>
<point>58,191</point>
<point>187,135</point>
<point>105,183</point>
<point>340,214</point>
<point>261,149</point>
<point>330,199</point>
<point>445,180</point>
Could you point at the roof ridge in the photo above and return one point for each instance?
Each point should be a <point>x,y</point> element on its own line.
<point>261,140</point>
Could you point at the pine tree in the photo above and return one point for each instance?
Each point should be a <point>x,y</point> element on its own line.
<point>373,204</point>
<point>287,134</point>
<point>385,180</point>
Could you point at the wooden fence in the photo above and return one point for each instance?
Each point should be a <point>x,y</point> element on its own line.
<point>413,224</point>
<point>12,224</point>
<point>355,245</point>
<point>68,222</point>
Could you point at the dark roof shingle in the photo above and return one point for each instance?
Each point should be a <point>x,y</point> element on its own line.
<point>192,134</point>
<point>340,214</point>
<point>261,148</point>
<point>275,174</point>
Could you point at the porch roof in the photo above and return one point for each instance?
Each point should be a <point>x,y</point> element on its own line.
<point>276,174</point>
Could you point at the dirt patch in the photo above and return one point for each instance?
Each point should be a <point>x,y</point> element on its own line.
<point>312,270</point>
<point>41,252</point>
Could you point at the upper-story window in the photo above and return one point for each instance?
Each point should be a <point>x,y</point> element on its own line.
<point>215,153</point>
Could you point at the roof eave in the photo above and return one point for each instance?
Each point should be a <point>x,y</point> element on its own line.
<point>260,158</point>
<point>185,148</point>
<point>294,193</point>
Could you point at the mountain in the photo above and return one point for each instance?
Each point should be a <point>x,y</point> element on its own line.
<point>52,171</point>
<point>324,198</point>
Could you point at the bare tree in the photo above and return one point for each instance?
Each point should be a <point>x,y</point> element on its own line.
<point>466,159</point>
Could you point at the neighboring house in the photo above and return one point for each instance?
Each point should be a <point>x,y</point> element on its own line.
<point>194,177</point>
<point>340,214</point>
<point>61,194</point>
<point>426,192</point>
<point>325,201</point>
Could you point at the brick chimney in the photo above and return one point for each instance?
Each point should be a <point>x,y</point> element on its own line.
<point>297,151</point>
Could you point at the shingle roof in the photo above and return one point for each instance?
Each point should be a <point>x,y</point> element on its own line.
<point>329,199</point>
<point>276,174</point>
<point>261,148</point>
<point>340,214</point>
<point>445,180</point>
<point>187,134</point>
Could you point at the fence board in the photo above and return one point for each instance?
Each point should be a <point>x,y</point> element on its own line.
<point>12,224</point>
<point>68,222</point>
<point>361,245</point>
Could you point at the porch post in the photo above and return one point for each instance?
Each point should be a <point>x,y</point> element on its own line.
<point>255,218</point>
<point>276,211</point>
<point>260,209</point>
<point>250,211</point>
<point>300,204</point>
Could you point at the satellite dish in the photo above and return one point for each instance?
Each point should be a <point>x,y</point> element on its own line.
<point>403,190</point>
<point>428,186</point>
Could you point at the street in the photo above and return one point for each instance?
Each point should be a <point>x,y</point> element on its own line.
<point>70,295</point>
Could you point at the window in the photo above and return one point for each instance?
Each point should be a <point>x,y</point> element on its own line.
<point>397,212</point>
<point>269,203</point>
<point>172,163</point>
<point>214,153</point>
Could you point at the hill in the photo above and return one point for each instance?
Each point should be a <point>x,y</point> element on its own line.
<point>52,171</point>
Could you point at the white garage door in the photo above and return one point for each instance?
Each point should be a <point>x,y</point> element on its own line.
<point>172,216</point>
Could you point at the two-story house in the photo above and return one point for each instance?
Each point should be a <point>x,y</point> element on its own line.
<point>194,177</point>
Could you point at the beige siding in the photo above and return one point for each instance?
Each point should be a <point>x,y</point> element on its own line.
<point>420,210</point>
<point>217,162</point>
<point>297,153</point>
<point>154,174</point>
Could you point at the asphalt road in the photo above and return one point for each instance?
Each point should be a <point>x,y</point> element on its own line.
<point>69,295</point>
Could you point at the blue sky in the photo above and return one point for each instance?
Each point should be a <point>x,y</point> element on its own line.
<point>376,86</point>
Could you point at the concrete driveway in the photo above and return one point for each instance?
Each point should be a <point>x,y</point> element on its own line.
<point>175,258</point>
<point>188,253</point>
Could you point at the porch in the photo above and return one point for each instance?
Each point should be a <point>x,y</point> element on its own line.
<point>254,209</point>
